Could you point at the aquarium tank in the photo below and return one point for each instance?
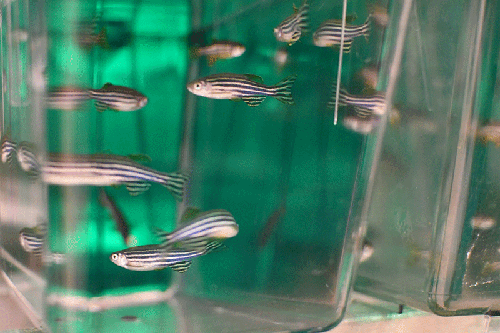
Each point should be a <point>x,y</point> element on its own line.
<point>240,166</point>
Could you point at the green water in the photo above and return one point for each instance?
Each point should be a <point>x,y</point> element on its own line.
<point>252,162</point>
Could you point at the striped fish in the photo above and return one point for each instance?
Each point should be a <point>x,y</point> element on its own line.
<point>117,98</point>
<point>31,239</point>
<point>156,257</point>
<point>290,30</point>
<point>363,105</point>
<point>67,98</point>
<point>222,49</point>
<point>204,228</point>
<point>247,87</point>
<point>98,170</point>
<point>329,33</point>
<point>8,150</point>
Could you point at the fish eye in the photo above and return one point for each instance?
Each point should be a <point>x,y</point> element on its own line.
<point>114,256</point>
<point>197,86</point>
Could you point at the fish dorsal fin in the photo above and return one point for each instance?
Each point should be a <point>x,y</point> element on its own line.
<point>295,9</point>
<point>254,78</point>
<point>190,213</point>
<point>107,85</point>
<point>348,19</point>
<point>140,158</point>
<point>161,234</point>
<point>181,266</point>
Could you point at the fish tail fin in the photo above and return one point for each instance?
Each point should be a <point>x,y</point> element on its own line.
<point>342,96</point>
<point>365,30</point>
<point>283,92</point>
<point>102,39</point>
<point>304,14</point>
<point>176,183</point>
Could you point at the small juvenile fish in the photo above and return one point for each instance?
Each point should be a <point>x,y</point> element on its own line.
<point>281,58</point>
<point>363,105</point>
<point>156,257</point>
<point>121,223</point>
<point>290,30</point>
<point>67,98</point>
<point>31,239</point>
<point>272,221</point>
<point>97,170</point>
<point>329,33</point>
<point>222,49</point>
<point>247,87</point>
<point>490,133</point>
<point>204,228</point>
<point>117,98</point>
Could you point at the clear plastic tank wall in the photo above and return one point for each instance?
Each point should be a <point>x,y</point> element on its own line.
<point>23,203</point>
<point>293,180</point>
<point>432,216</point>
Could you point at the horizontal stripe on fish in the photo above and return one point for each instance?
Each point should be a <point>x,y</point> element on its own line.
<point>99,170</point>
<point>9,149</point>
<point>31,239</point>
<point>214,224</point>
<point>247,87</point>
<point>118,98</point>
<point>67,98</point>
<point>290,30</point>
<point>330,32</point>
<point>363,105</point>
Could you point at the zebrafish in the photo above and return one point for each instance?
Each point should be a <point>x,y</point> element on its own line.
<point>67,98</point>
<point>97,170</point>
<point>31,239</point>
<point>363,105</point>
<point>290,30</point>
<point>489,133</point>
<point>329,33</point>
<point>121,223</point>
<point>247,87</point>
<point>200,230</point>
<point>8,148</point>
<point>222,49</point>
<point>156,257</point>
<point>117,98</point>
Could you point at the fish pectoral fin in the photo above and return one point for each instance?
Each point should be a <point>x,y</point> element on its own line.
<point>211,60</point>
<point>295,9</point>
<point>100,106</point>
<point>254,78</point>
<point>254,100</point>
<point>181,266</point>
<point>136,188</point>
